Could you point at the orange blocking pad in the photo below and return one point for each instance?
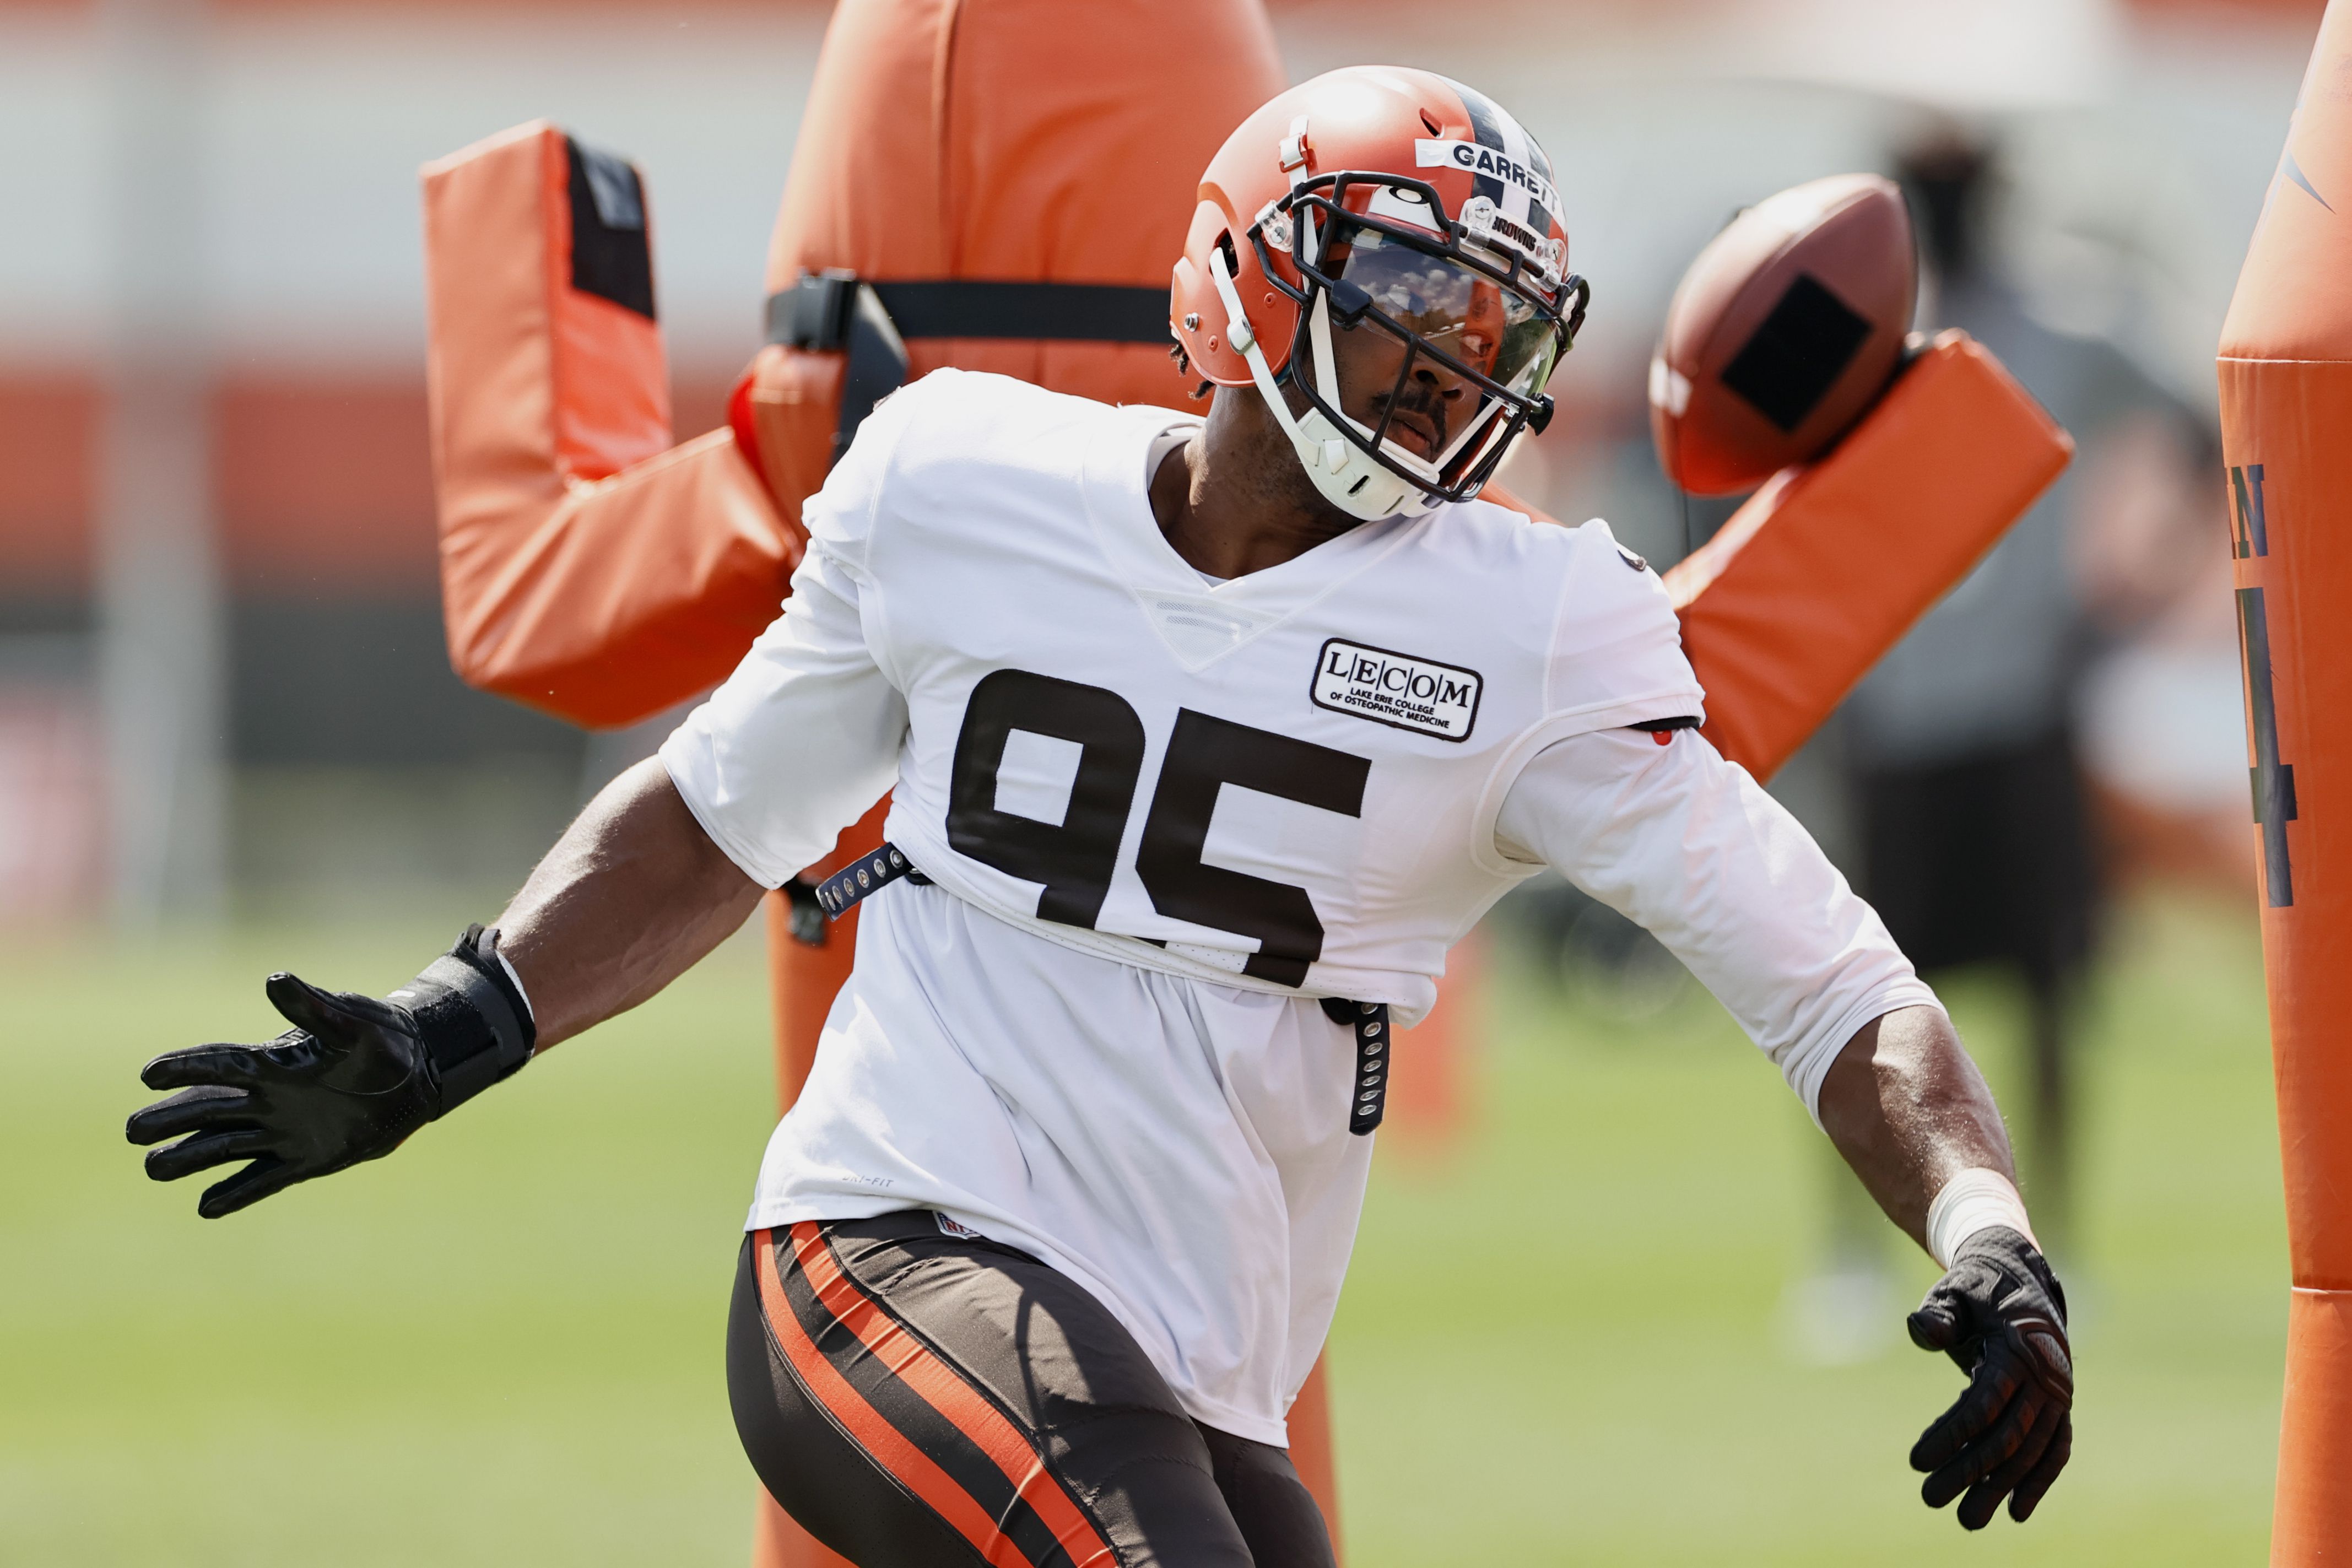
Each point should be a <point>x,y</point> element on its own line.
<point>2285,367</point>
<point>603,607</point>
<point>521,357</point>
<point>2283,426</point>
<point>1827,566</point>
<point>1034,141</point>
<point>588,569</point>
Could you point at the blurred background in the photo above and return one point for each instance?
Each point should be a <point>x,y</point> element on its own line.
<point>230,742</point>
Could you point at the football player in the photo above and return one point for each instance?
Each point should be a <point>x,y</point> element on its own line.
<point>1206,737</point>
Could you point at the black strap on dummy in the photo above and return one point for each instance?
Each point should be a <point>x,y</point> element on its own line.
<point>1369,1091</point>
<point>833,311</point>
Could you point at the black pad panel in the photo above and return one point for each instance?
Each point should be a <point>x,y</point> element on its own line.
<point>611,254</point>
<point>812,313</point>
<point>1797,355</point>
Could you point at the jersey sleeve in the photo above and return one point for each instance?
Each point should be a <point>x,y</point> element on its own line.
<point>1685,844</point>
<point>803,737</point>
<point>1616,651</point>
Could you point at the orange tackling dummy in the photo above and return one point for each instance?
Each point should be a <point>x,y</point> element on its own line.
<point>2286,405</point>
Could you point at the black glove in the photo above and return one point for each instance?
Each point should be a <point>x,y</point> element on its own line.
<point>351,1080</point>
<point>2000,1314</point>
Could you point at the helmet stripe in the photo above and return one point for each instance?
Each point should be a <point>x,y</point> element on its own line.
<point>1539,218</point>
<point>1495,128</point>
<point>1487,125</point>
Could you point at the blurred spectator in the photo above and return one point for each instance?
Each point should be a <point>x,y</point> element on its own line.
<point>2163,710</point>
<point>1963,746</point>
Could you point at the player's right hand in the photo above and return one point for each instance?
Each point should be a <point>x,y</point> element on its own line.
<point>2000,1314</point>
<point>349,1083</point>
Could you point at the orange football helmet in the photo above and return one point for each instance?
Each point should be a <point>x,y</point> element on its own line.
<point>1394,200</point>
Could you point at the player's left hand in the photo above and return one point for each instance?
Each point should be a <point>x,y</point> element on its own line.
<point>2000,1314</point>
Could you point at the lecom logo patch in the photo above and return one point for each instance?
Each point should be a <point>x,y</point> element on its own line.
<point>1398,689</point>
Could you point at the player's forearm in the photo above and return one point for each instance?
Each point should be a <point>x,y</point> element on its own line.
<point>631,896</point>
<point>1907,1107</point>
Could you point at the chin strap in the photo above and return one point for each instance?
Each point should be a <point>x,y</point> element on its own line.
<point>1326,457</point>
<point>1244,343</point>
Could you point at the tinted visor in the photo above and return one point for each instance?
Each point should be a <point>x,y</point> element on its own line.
<point>1485,327</point>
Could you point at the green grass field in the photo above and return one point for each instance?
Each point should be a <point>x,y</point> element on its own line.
<point>503,1346</point>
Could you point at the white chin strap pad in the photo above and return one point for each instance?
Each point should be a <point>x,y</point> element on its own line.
<point>1343,472</point>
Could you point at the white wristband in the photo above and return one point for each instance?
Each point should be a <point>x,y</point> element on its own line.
<point>1974,1200</point>
<point>526,1007</point>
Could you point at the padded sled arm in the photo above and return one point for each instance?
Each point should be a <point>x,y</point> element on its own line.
<point>627,597</point>
<point>1826,567</point>
<point>588,569</point>
<point>1823,570</point>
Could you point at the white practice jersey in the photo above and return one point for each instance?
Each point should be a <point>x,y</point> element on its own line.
<point>1162,816</point>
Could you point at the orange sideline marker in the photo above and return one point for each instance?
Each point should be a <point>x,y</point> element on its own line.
<point>2285,367</point>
